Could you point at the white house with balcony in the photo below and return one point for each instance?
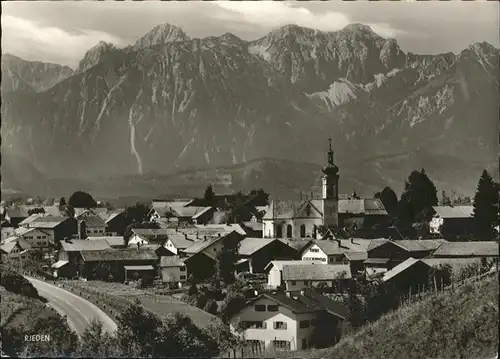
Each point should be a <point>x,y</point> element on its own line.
<point>289,322</point>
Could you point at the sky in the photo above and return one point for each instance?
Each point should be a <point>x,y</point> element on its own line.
<point>62,31</point>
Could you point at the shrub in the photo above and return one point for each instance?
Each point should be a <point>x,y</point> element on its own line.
<point>16,283</point>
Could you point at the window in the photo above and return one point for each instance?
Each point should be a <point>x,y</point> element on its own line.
<point>314,250</point>
<point>272,308</point>
<point>279,231</point>
<point>304,324</point>
<point>306,282</point>
<point>183,269</point>
<point>331,259</point>
<point>254,325</point>
<point>294,282</point>
<point>303,231</point>
<point>281,344</point>
<point>38,237</point>
<point>289,230</point>
<point>260,308</point>
<point>183,277</point>
<point>279,325</point>
<point>304,344</point>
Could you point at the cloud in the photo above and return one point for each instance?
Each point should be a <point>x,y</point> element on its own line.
<point>273,14</point>
<point>21,36</point>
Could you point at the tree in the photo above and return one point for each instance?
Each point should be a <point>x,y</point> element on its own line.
<point>137,213</point>
<point>211,307</point>
<point>389,199</point>
<point>261,198</point>
<point>226,260</point>
<point>209,196</point>
<point>95,343</point>
<point>37,210</point>
<point>81,199</point>
<point>486,208</point>
<point>70,211</point>
<point>62,202</point>
<point>417,199</point>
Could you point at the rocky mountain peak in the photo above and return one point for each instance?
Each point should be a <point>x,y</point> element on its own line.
<point>161,34</point>
<point>359,28</point>
<point>95,55</point>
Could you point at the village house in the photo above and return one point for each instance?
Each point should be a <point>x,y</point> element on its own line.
<point>16,249</point>
<point>253,229</point>
<point>256,253</point>
<point>452,221</point>
<point>69,255</point>
<point>384,254</point>
<point>178,242</point>
<point>58,228</point>
<point>16,214</point>
<point>90,224</point>
<point>274,271</point>
<point>410,276</point>
<point>296,278</point>
<point>301,219</point>
<point>115,221</point>
<point>333,251</point>
<point>148,235</point>
<point>36,238</point>
<point>289,322</point>
<point>121,264</point>
<point>173,270</point>
<point>202,254</point>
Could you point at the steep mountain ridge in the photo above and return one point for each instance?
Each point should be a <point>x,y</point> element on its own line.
<point>30,76</point>
<point>170,102</point>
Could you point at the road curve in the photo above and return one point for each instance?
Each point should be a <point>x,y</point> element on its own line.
<point>78,311</point>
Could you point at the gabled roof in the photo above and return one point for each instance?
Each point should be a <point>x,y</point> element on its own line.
<point>173,261</point>
<point>76,245</point>
<point>315,272</point>
<point>189,212</point>
<point>366,206</point>
<point>332,247</point>
<point>199,246</point>
<point>249,246</point>
<point>454,211</point>
<point>297,244</point>
<point>356,256</point>
<point>17,211</point>
<point>287,209</point>
<point>30,219</point>
<point>108,217</point>
<point>218,228</point>
<point>151,233</point>
<point>308,302</point>
<point>111,254</point>
<point>254,226</point>
<point>279,264</point>
<point>401,267</point>
<point>9,246</point>
<point>93,221</point>
<point>180,241</point>
<point>47,222</point>
<point>113,241</point>
<point>375,243</point>
<point>421,245</point>
<point>468,249</point>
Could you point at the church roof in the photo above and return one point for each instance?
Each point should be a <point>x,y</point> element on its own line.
<point>287,209</point>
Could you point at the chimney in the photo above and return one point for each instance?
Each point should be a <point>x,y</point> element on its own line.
<point>352,240</point>
<point>339,242</point>
<point>204,238</point>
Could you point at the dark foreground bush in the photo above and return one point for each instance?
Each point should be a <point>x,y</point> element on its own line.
<point>16,283</point>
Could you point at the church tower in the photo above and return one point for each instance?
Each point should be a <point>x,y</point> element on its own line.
<point>330,196</point>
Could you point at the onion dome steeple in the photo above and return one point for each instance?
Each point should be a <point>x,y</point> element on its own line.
<point>330,167</point>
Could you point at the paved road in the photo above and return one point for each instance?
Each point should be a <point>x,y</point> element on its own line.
<point>79,311</point>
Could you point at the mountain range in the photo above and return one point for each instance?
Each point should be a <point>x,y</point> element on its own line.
<point>170,102</point>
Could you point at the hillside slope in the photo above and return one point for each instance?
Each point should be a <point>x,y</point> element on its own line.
<point>462,325</point>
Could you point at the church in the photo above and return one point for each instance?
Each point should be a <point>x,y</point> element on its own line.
<point>301,219</point>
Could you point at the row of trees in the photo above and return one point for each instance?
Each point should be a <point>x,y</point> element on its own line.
<point>414,208</point>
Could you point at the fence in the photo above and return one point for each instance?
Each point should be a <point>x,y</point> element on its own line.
<point>424,291</point>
